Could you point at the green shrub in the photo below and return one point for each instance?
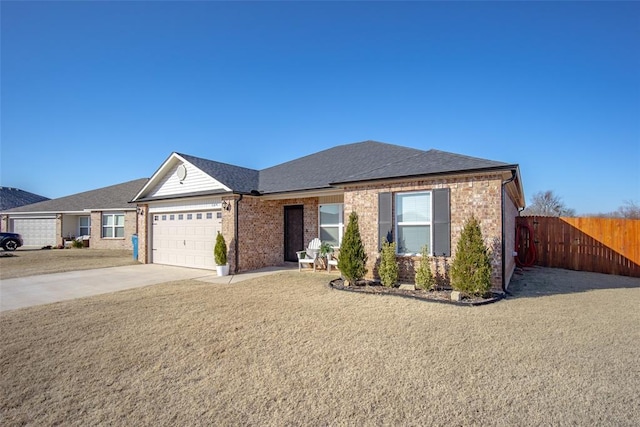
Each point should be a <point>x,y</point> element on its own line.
<point>78,244</point>
<point>471,268</point>
<point>353,258</point>
<point>388,269</point>
<point>424,277</point>
<point>220,250</point>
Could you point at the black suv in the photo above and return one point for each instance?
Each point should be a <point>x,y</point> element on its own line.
<point>10,241</point>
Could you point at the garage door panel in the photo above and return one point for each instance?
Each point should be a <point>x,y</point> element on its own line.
<point>36,232</point>
<point>185,242</point>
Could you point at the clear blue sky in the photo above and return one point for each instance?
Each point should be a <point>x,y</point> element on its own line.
<point>98,93</point>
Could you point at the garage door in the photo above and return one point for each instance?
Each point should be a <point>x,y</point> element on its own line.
<point>185,238</point>
<point>36,232</point>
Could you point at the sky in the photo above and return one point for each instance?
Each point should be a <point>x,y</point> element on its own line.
<point>98,93</point>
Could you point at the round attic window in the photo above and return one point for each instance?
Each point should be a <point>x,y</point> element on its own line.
<point>181,172</point>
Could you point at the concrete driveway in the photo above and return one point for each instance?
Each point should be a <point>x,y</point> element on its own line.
<point>47,288</point>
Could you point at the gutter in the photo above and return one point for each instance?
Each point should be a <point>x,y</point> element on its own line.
<point>504,265</point>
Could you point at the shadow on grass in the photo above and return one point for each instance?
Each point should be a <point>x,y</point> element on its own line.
<point>542,281</point>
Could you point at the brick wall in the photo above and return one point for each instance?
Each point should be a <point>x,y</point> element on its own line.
<point>97,242</point>
<point>261,229</point>
<point>144,223</point>
<point>478,195</point>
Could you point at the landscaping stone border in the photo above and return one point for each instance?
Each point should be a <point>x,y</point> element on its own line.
<point>442,297</point>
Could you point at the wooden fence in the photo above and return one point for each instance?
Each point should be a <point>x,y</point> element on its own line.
<point>602,245</point>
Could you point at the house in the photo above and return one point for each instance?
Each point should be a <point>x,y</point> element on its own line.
<point>14,197</point>
<point>104,218</point>
<point>413,196</point>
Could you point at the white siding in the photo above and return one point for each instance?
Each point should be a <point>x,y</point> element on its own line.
<point>186,206</point>
<point>195,181</point>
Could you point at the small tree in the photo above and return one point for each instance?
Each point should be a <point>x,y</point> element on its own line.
<point>220,250</point>
<point>388,269</point>
<point>353,258</point>
<point>424,277</point>
<point>471,268</point>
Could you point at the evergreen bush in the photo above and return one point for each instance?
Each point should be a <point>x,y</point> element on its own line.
<point>353,257</point>
<point>220,250</point>
<point>471,268</point>
<point>424,277</point>
<point>388,268</point>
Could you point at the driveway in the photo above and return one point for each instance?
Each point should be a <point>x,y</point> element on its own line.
<point>47,288</point>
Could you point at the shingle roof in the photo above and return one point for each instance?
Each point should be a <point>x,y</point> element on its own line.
<point>364,161</point>
<point>14,197</point>
<point>112,197</point>
<point>235,177</point>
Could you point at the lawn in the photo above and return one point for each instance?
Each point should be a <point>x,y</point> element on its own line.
<point>27,262</point>
<point>287,350</point>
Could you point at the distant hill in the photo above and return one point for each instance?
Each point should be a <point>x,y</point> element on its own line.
<point>14,197</point>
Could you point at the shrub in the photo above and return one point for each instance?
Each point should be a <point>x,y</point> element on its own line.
<point>471,268</point>
<point>220,251</point>
<point>424,277</point>
<point>78,244</point>
<point>352,255</point>
<point>388,269</point>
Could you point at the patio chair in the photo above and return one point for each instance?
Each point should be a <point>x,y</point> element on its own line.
<point>331,261</point>
<point>309,255</point>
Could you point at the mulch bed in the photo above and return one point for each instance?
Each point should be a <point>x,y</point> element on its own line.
<point>439,296</point>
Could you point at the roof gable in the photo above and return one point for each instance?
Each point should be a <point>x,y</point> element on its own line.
<point>106,198</point>
<point>201,176</point>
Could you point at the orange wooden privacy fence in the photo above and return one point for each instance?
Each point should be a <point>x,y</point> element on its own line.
<point>602,245</point>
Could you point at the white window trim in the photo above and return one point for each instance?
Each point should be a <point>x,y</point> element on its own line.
<point>418,223</point>
<point>113,227</point>
<point>340,223</point>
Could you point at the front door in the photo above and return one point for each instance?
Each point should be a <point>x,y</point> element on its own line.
<point>293,232</point>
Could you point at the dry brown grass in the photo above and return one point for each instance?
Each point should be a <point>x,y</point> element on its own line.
<point>25,262</point>
<point>287,350</point>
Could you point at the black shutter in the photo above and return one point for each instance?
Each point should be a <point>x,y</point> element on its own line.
<point>441,223</point>
<point>385,219</point>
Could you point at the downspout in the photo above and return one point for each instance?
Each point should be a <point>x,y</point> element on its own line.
<point>235,236</point>
<point>504,265</point>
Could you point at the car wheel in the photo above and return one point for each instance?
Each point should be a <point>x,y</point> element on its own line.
<point>10,245</point>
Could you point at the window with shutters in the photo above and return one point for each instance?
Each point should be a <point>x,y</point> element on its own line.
<point>331,223</point>
<point>413,222</point>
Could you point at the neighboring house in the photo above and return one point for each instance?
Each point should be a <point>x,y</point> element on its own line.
<point>14,197</point>
<point>103,217</point>
<point>414,197</point>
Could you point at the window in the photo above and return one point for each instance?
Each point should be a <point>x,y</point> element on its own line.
<point>164,217</point>
<point>413,222</point>
<point>113,225</point>
<point>209,215</point>
<point>85,226</point>
<point>199,216</point>
<point>331,223</point>
<point>180,217</point>
<point>189,216</point>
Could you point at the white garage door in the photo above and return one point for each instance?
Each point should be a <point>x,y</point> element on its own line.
<point>185,238</point>
<point>36,232</point>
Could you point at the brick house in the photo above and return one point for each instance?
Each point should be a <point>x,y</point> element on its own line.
<point>102,218</point>
<point>415,197</point>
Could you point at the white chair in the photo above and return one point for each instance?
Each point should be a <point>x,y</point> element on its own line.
<point>331,261</point>
<point>310,255</point>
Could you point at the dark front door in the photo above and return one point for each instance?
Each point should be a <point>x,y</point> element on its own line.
<point>293,232</point>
